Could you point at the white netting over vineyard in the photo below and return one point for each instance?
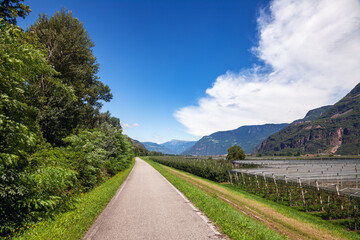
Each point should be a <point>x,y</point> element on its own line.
<point>340,176</point>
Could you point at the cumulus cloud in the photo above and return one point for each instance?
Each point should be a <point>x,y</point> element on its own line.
<point>127,126</point>
<point>311,57</point>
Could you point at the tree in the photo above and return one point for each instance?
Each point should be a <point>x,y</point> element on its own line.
<point>70,52</point>
<point>235,153</point>
<point>11,9</point>
<point>21,65</point>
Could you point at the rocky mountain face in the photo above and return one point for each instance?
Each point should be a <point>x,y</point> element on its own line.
<point>171,147</point>
<point>248,137</point>
<point>335,131</point>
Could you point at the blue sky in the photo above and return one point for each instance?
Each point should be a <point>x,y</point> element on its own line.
<point>179,69</point>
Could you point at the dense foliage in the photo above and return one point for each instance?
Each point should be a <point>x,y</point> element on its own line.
<point>235,153</point>
<point>54,142</point>
<point>69,49</point>
<point>215,170</point>
<point>11,9</point>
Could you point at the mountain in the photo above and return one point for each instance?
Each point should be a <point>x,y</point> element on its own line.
<point>178,146</point>
<point>336,131</point>
<point>312,115</point>
<point>138,147</point>
<point>171,147</point>
<point>154,147</point>
<point>248,137</point>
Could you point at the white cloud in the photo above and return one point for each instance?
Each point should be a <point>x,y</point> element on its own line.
<point>128,126</point>
<point>313,51</point>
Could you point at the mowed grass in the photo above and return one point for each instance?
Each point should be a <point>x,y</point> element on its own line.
<point>230,222</point>
<point>320,223</point>
<point>75,223</point>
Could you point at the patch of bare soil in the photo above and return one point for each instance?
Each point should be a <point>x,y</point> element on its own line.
<point>341,114</point>
<point>337,140</point>
<point>291,227</point>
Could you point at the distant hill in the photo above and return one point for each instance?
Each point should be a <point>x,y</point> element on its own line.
<point>248,137</point>
<point>154,147</point>
<point>178,146</point>
<point>171,147</point>
<point>336,131</point>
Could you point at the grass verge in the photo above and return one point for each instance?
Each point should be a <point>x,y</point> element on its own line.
<point>75,223</point>
<point>320,223</point>
<point>230,222</point>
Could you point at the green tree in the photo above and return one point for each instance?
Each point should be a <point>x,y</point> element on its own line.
<point>235,153</point>
<point>11,9</point>
<point>21,65</point>
<point>69,49</point>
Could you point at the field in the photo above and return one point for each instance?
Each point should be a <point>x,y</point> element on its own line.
<point>214,169</point>
<point>329,188</point>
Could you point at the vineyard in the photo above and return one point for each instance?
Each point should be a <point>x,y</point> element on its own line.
<point>213,169</point>
<point>329,188</point>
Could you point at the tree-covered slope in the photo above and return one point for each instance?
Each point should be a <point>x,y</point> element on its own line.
<point>312,115</point>
<point>336,131</point>
<point>248,137</point>
<point>139,148</point>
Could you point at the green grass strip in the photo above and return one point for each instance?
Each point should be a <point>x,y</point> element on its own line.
<point>230,222</point>
<point>316,221</point>
<point>291,212</point>
<point>75,223</point>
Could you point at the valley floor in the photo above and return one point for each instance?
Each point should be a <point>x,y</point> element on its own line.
<point>283,222</point>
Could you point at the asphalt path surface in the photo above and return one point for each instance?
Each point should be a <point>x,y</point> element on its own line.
<point>147,206</point>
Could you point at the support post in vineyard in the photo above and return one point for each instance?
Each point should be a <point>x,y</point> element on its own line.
<point>257,182</point>
<point>357,186</point>
<point>230,177</point>
<point>338,195</point>
<point>288,189</point>
<point>242,177</point>
<point>276,187</point>
<point>302,191</point>
<point>321,202</point>
<point>237,177</point>
<point>266,186</point>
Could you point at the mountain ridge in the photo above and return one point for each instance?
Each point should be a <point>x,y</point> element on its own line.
<point>248,137</point>
<point>336,131</point>
<point>173,146</point>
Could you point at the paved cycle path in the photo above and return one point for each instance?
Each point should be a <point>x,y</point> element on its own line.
<point>147,206</point>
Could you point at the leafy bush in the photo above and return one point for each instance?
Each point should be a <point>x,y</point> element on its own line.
<point>49,181</point>
<point>37,105</point>
<point>98,154</point>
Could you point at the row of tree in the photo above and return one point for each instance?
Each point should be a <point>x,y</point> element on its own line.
<point>54,141</point>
